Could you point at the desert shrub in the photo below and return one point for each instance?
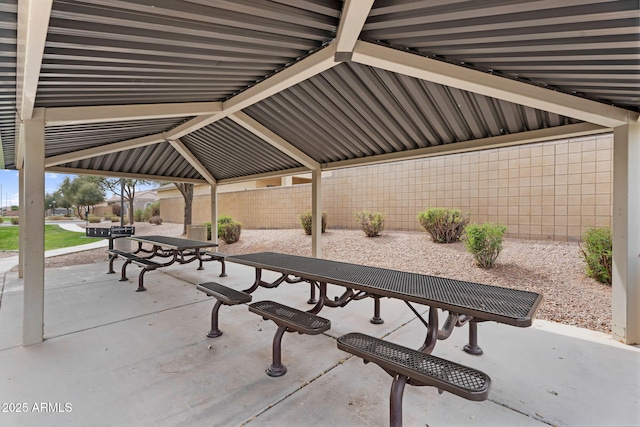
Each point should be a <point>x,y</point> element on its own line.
<point>156,220</point>
<point>15,220</point>
<point>115,218</point>
<point>443,224</point>
<point>222,220</point>
<point>137,215</point>
<point>306,221</point>
<point>372,223</point>
<point>56,218</point>
<point>230,231</point>
<point>116,210</point>
<point>1,219</point>
<point>596,252</point>
<point>154,208</point>
<point>484,241</point>
<point>94,219</point>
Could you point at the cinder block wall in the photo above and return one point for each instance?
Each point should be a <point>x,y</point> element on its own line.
<point>552,190</point>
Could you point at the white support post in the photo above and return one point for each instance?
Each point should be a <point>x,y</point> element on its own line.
<point>21,227</point>
<point>214,213</point>
<point>626,234</point>
<point>33,219</point>
<point>316,213</point>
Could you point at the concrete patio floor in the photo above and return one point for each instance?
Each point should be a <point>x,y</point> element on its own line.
<point>116,357</point>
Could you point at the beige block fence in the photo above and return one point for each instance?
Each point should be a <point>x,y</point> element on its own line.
<point>552,190</point>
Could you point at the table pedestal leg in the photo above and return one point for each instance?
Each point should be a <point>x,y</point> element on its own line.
<point>312,295</point>
<point>376,319</point>
<point>472,347</point>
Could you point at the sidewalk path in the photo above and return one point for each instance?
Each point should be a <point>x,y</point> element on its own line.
<point>8,263</point>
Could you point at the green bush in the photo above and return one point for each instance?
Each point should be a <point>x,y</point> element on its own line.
<point>484,241</point>
<point>137,215</point>
<point>306,221</point>
<point>597,250</point>
<point>230,231</point>
<point>208,224</point>
<point>443,224</point>
<point>15,220</point>
<point>223,219</point>
<point>94,219</point>
<point>372,223</point>
<point>1,219</point>
<point>115,218</point>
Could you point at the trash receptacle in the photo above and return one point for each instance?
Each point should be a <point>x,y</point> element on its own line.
<point>122,244</point>
<point>197,232</point>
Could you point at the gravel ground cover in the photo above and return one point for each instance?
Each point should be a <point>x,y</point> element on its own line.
<point>553,269</point>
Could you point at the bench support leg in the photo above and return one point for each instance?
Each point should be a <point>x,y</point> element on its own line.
<point>111,259</point>
<point>224,269</point>
<point>395,400</point>
<point>123,276</point>
<point>277,369</point>
<point>141,287</point>
<point>376,319</point>
<point>215,332</point>
<point>472,347</point>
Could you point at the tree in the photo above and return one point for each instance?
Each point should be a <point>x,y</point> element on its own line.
<point>67,190</point>
<point>62,201</point>
<point>129,190</point>
<point>89,194</point>
<point>49,201</point>
<point>187,193</point>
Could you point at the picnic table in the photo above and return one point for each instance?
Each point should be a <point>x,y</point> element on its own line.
<point>465,302</point>
<point>174,249</point>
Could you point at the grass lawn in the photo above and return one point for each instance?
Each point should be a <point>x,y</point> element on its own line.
<point>54,238</point>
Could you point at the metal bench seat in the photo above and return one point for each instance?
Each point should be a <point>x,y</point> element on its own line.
<point>415,368</point>
<point>224,295</point>
<point>146,264</point>
<point>293,319</point>
<point>288,319</point>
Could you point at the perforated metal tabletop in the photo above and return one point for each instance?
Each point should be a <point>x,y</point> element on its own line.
<point>486,302</point>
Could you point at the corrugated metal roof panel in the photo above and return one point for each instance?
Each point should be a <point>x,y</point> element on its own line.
<point>228,150</point>
<point>589,48</point>
<point>149,51</point>
<point>353,111</point>
<point>157,159</point>
<point>70,138</point>
<point>8,31</point>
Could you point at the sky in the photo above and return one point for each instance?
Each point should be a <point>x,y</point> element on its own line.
<point>9,183</point>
